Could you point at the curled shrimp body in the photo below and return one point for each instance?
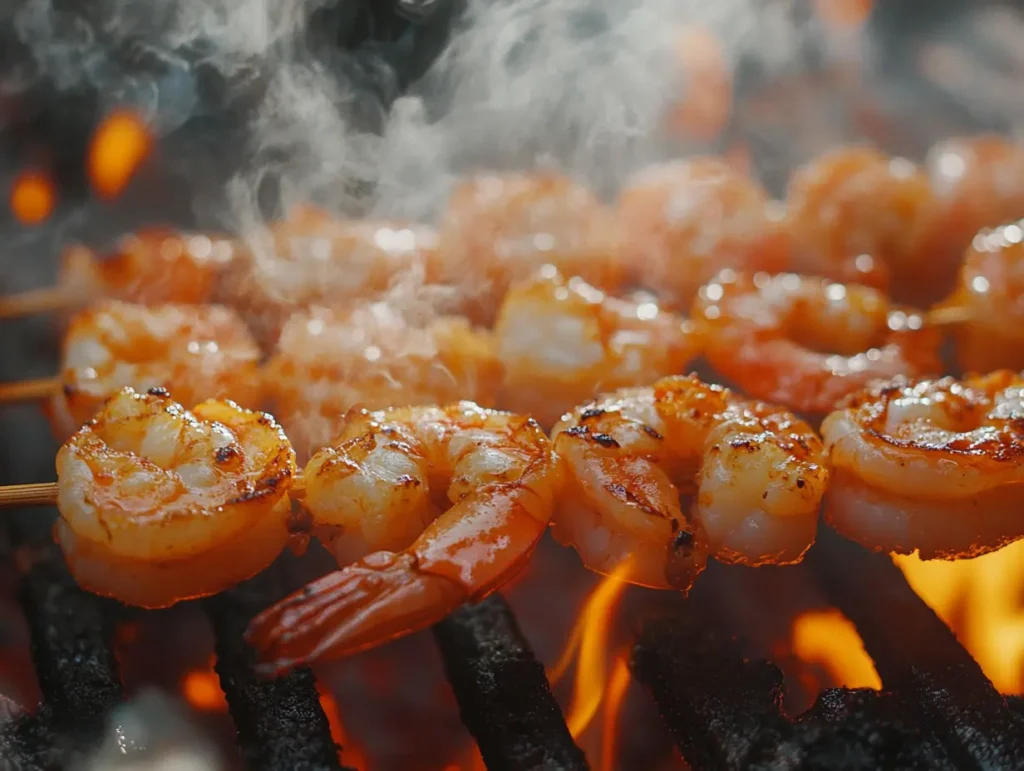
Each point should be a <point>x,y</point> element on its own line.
<point>562,342</point>
<point>439,506</point>
<point>159,504</point>
<point>373,356</point>
<point>990,288</point>
<point>859,216</point>
<point>935,466</point>
<point>754,472</point>
<point>501,228</point>
<point>684,221</point>
<point>807,342</point>
<point>201,351</point>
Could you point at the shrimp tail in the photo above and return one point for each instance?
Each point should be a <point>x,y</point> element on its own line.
<point>379,598</point>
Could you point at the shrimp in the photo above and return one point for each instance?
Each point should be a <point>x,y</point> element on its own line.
<point>156,265</point>
<point>500,228</point>
<point>684,221</point>
<point>562,341</point>
<point>327,362</point>
<point>807,342</point>
<point>158,504</point>
<point>755,475</point>
<point>312,259</point>
<point>859,216</point>
<point>202,352</point>
<point>935,466</point>
<point>427,508</point>
<point>991,289</point>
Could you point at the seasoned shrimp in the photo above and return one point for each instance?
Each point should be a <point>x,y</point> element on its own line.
<point>684,221</point>
<point>859,216</point>
<point>328,362</point>
<point>563,341</point>
<point>201,351</point>
<point>500,228</point>
<point>433,507</point>
<point>934,466</point>
<point>158,504</point>
<point>155,265</point>
<point>755,474</point>
<point>312,259</point>
<point>806,342</point>
<point>991,291</point>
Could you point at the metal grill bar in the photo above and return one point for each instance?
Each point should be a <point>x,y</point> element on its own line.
<point>504,696</point>
<point>917,655</point>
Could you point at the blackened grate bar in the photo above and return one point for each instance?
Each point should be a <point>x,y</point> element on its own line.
<point>917,655</point>
<point>504,696</point>
<point>281,724</point>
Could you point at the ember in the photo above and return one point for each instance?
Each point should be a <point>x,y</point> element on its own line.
<point>32,197</point>
<point>119,147</point>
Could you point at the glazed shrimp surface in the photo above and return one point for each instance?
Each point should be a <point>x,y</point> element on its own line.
<point>201,351</point>
<point>806,342</point>
<point>686,220</point>
<point>990,288</point>
<point>376,357</point>
<point>313,259</point>
<point>500,228</point>
<point>934,466</point>
<point>755,473</point>
<point>158,504</point>
<point>562,342</point>
<point>433,507</point>
<point>859,216</point>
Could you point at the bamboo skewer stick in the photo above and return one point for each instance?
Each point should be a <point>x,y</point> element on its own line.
<point>28,390</point>
<point>39,494</point>
<point>43,300</point>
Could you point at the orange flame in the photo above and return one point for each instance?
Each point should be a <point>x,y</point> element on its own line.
<point>350,753</point>
<point>119,146</point>
<point>32,197</point>
<point>618,685</point>
<point>202,690</point>
<point>983,603</point>
<point>829,639</point>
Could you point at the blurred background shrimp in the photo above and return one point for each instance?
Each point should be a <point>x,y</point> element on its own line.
<point>685,220</point>
<point>500,228</point>
<point>562,341</point>
<point>427,508</point>
<point>375,356</point>
<point>669,474</point>
<point>158,504</point>
<point>933,466</point>
<point>200,351</point>
<point>806,342</point>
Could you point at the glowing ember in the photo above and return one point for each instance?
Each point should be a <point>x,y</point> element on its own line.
<point>201,688</point>
<point>350,753</point>
<point>829,639</point>
<point>119,147</point>
<point>32,197</point>
<point>982,602</point>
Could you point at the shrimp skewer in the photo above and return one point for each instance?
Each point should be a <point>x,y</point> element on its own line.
<point>935,466</point>
<point>427,508</point>
<point>754,472</point>
<point>158,504</point>
<point>562,342</point>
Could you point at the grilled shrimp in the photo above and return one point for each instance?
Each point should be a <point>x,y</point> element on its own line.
<point>201,351</point>
<point>155,265</point>
<point>807,342</point>
<point>755,475</point>
<point>859,216</point>
<point>427,508</point>
<point>684,221</point>
<point>500,228</point>
<point>563,341</point>
<point>313,259</point>
<point>373,356</point>
<point>158,504</point>
<point>991,289</point>
<point>934,466</point>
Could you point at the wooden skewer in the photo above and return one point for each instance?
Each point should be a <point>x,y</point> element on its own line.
<point>949,315</point>
<point>44,300</point>
<point>40,494</point>
<point>28,390</point>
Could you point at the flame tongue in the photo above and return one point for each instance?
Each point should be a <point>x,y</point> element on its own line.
<point>119,147</point>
